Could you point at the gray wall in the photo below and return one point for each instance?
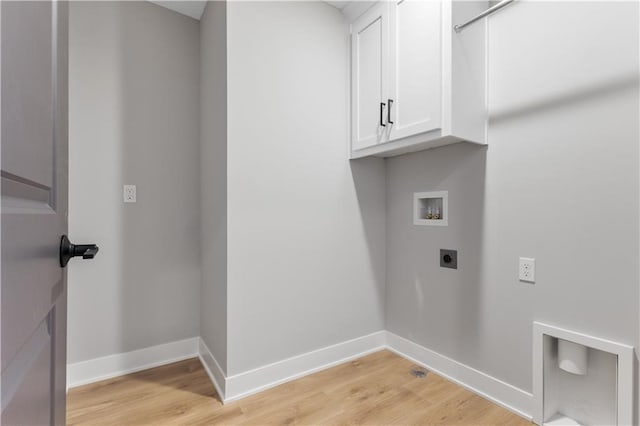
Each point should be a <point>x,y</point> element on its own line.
<point>213,161</point>
<point>299,232</point>
<point>558,182</point>
<point>305,228</point>
<point>134,97</point>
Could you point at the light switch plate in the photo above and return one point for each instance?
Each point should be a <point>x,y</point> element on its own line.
<point>527,270</point>
<point>129,193</point>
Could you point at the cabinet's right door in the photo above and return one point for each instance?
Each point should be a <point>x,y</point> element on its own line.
<point>416,67</point>
<point>369,67</point>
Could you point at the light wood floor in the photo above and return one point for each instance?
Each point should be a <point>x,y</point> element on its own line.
<point>376,389</point>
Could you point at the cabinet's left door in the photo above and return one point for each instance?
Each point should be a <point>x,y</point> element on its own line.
<point>369,50</point>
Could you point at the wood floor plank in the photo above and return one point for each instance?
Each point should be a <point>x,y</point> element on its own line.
<point>374,390</point>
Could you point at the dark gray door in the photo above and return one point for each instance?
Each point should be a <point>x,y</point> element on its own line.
<point>33,112</point>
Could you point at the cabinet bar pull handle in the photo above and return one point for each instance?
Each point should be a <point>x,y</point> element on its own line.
<point>382,105</point>
<point>390,101</point>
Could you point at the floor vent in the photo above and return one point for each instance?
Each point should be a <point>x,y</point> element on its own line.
<point>419,372</point>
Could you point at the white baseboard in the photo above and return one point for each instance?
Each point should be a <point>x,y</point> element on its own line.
<point>247,383</point>
<point>213,369</point>
<point>94,370</point>
<point>510,397</point>
<point>253,381</point>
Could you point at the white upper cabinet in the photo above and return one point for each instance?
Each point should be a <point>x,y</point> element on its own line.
<point>416,83</point>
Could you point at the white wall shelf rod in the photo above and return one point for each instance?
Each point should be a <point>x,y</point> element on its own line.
<point>487,12</point>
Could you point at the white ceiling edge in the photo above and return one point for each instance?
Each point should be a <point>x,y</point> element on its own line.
<point>353,9</point>
<point>195,8</point>
<point>191,8</point>
<point>337,4</point>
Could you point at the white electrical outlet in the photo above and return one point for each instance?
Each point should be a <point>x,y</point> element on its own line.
<point>527,270</point>
<point>129,193</point>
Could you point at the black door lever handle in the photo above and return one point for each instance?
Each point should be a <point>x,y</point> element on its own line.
<point>69,250</point>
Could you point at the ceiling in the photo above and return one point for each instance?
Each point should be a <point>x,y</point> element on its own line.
<point>195,8</point>
<point>338,4</point>
<point>192,8</point>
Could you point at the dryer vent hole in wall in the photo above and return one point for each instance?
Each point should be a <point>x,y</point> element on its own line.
<point>419,372</point>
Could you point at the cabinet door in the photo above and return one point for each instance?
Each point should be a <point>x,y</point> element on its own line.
<point>369,65</point>
<point>416,67</point>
